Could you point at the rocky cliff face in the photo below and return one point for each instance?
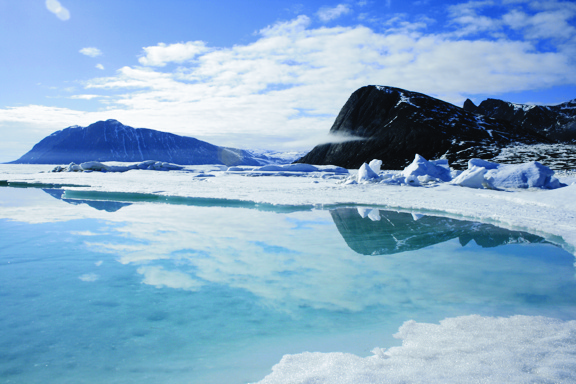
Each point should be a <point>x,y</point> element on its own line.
<point>393,125</point>
<point>110,140</point>
<point>557,123</point>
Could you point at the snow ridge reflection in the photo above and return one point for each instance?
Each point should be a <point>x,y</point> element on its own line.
<point>367,231</point>
<point>383,232</point>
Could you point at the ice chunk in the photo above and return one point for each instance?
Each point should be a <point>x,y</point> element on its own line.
<point>145,164</point>
<point>482,164</point>
<point>375,165</point>
<point>422,167</point>
<point>485,174</point>
<point>94,166</point>
<point>473,177</point>
<point>365,173</point>
<point>441,163</point>
<point>73,167</point>
<point>528,175</point>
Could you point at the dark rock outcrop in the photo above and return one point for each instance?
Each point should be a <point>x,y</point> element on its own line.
<point>557,122</point>
<point>392,125</point>
<point>110,140</point>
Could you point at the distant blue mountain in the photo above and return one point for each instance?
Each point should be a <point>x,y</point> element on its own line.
<point>110,140</point>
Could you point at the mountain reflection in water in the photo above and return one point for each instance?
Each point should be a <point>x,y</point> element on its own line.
<point>382,232</point>
<point>103,205</point>
<point>366,231</point>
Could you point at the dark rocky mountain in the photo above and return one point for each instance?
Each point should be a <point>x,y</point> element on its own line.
<point>557,122</point>
<point>390,232</point>
<point>110,140</point>
<point>392,125</point>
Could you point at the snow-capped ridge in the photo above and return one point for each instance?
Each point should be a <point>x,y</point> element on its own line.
<point>554,122</point>
<point>111,140</point>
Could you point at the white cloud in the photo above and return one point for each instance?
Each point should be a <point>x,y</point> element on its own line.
<point>543,25</point>
<point>534,19</point>
<point>100,66</point>
<point>287,28</point>
<point>162,54</point>
<point>157,276</point>
<point>56,8</point>
<point>91,51</point>
<point>84,97</point>
<point>326,14</point>
<point>83,233</point>
<point>89,277</point>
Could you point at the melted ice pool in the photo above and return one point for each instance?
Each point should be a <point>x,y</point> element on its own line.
<point>207,292</point>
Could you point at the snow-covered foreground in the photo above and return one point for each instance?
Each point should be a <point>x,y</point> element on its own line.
<point>463,349</point>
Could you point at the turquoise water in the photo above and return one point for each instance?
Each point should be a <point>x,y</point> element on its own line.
<point>140,292</point>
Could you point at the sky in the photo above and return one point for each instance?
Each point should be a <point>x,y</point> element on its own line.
<point>266,74</point>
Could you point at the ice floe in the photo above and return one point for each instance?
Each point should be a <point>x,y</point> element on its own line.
<point>421,172</point>
<point>484,174</point>
<point>466,349</point>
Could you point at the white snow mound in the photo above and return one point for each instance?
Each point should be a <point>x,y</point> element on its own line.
<point>365,173</point>
<point>480,174</point>
<point>422,170</point>
<point>466,349</point>
<point>484,174</point>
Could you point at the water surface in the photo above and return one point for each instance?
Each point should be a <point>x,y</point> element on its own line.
<point>140,292</point>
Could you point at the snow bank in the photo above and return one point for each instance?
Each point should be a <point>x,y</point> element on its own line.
<point>288,167</point>
<point>484,174</point>
<point>519,349</point>
<point>419,172</point>
<point>422,170</point>
<point>366,173</point>
<point>480,174</point>
<point>91,166</point>
<point>299,167</point>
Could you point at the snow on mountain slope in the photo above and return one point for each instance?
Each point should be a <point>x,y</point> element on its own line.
<point>110,140</point>
<point>395,124</point>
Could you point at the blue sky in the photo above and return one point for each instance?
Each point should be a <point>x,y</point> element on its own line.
<point>266,74</point>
